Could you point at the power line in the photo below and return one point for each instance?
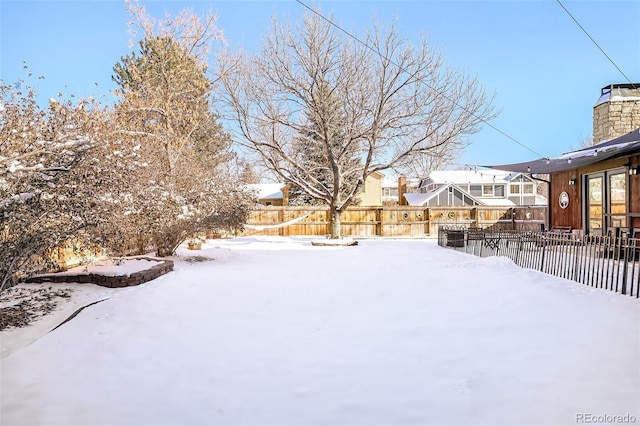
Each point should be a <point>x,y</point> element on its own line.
<point>594,42</point>
<point>404,70</point>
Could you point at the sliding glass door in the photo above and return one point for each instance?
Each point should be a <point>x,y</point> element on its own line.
<point>606,201</point>
<point>595,203</point>
<point>617,198</point>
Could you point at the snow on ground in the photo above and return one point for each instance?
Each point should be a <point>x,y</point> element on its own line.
<point>15,339</point>
<point>273,331</point>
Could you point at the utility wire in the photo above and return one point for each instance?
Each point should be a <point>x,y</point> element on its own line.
<point>596,43</point>
<point>404,70</point>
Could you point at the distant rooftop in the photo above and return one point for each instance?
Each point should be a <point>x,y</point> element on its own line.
<point>268,190</point>
<point>393,183</point>
<point>471,176</point>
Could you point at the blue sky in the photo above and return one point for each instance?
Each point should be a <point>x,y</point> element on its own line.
<point>545,72</point>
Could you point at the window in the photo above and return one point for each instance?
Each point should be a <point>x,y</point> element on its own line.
<point>489,190</point>
<point>595,204</point>
<point>528,188</point>
<point>617,198</point>
<point>514,188</point>
<point>476,190</point>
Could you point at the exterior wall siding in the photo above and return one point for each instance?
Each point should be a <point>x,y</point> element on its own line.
<point>372,195</point>
<point>569,216</point>
<point>634,191</point>
<point>573,214</point>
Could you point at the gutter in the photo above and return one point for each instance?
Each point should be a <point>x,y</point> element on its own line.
<point>548,182</point>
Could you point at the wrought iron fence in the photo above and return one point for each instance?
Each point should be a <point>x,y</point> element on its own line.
<point>608,262</point>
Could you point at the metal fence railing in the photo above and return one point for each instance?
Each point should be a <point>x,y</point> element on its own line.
<point>608,262</point>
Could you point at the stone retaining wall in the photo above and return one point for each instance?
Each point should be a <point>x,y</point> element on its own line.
<point>135,278</point>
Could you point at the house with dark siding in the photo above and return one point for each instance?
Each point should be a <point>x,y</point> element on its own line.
<point>596,190</point>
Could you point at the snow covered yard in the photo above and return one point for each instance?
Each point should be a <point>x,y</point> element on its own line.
<point>273,331</point>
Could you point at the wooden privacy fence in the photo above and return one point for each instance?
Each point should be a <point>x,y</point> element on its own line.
<point>608,262</point>
<point>393,221</point>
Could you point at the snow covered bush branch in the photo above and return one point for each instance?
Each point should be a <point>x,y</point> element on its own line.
<point>44,196</point>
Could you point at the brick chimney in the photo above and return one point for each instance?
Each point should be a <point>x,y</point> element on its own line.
<point>402,189</point>
<point>617,112</point>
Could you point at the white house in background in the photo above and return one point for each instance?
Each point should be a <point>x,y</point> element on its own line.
<point>390,189</point>
<point>271,194</point>
<point>459,188</point>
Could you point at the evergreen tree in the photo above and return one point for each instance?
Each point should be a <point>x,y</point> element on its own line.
<point>321,146</point>
<point>166,94</point>
<point>165,113</point>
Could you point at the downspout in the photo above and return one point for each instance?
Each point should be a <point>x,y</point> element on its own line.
<point>548,182</point>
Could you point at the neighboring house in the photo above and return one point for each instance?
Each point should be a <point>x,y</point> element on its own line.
<point>271,194</point>
<point>390,189</point>
<point>444,195</point>
<point>371,192</point>
<point>459,188</point>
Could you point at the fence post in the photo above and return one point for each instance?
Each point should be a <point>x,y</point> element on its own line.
<point>281,219</point>
<point>379,224</point>
<point>327,230</point>
<point>425,217</point>
<point>623,290</point>
<point>576,260</point>
<point>542,256</point>
<point>474,210</point>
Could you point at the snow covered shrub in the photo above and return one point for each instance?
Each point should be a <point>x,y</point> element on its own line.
<point>44,197</point>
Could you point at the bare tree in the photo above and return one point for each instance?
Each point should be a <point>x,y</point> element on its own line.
<point>439,158</point>
<point>585,142</point>
<point>381,100</point>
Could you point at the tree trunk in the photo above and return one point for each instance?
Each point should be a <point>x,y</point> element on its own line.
<point>164,252</point>
<point>334,222</point>
<point>165,245</point>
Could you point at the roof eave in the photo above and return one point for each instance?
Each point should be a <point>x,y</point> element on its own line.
<point>617,147</point>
